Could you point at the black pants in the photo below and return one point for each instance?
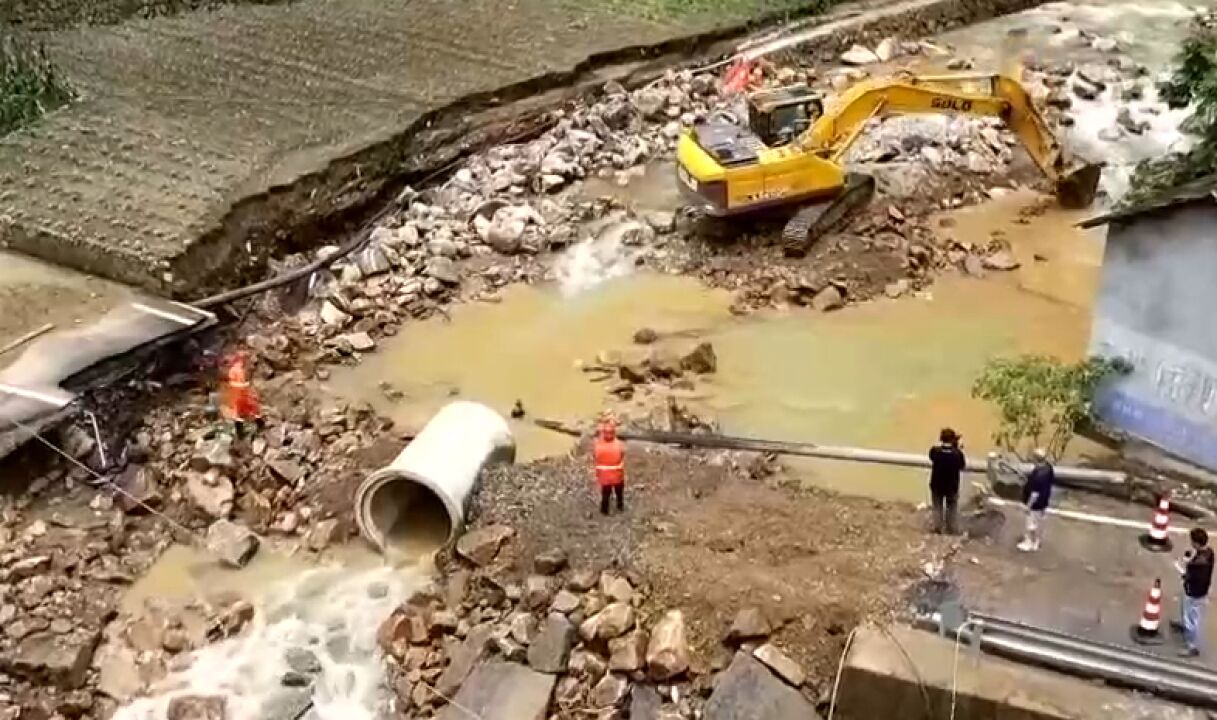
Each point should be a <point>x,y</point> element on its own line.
<point>945,509</point>
<point>607,491</point>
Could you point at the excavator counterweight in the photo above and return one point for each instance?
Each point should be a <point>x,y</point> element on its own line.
<point>789,151</point>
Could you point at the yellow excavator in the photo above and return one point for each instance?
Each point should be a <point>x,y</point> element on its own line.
<point>790,151</point>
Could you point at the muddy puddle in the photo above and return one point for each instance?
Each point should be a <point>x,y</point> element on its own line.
<point>884,374</point>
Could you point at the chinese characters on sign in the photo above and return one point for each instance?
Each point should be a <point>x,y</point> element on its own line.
<point>1174,377</point>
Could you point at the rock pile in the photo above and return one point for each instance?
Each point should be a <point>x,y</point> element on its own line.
<point>274,481</point>
<point>568,642</point>
<point>496,220</point>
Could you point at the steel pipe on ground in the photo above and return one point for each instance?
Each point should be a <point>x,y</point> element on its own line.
<point>1118,665</point>
<point>424,492</point>
<point>1121,656</point>
<point>856,454</point>
<point>1160,682</point>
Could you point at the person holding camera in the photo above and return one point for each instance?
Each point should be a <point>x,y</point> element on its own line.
<point>947,461</point>
<point>1196,570</point>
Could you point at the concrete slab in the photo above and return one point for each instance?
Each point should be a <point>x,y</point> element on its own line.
<point>749,691</point>
<point>33,293</point>
<point>499,690</point>
<point>32,385</point>
<point>900,672</point>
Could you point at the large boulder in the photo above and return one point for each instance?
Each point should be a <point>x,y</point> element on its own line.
<point>464,658</point>
<point>781,664</point>
<point>615,589</point>
<point>550,562</point>
<point>565,602</point>
<point>211,493</point>
<point>748,691</point>
<point>859,55</point>
<point>668,651</point>
<point>140,487</point>
<point>609,692</point>
<point>197,707</point>
<point>49,658</point>
<point>750,624</point>
<point>537,592</point>
<point>645,702</point>
<point>481,546</point>
<point>615,620</point>
<point>700,360</point>
<point>498,690</point>
<point>548,653</point>
<point>628,653</point>
<point>233,543</point>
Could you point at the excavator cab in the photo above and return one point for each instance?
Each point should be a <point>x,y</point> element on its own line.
<point>779,115</point>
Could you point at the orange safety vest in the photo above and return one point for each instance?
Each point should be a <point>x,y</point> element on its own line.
<point>610,462</point>
<point>240,400</point>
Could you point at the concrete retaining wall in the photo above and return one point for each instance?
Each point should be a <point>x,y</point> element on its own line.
<point>1155,309</point>
<point>904,673</point>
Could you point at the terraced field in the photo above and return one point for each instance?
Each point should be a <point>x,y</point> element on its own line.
<point>54,14</point>
<point>181,117</point>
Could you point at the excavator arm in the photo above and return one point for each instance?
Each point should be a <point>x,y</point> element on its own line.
<point>844,120</point>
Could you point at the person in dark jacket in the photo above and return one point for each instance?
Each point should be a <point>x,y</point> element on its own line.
<point>946,463</point>
<point>1197,572</point>
<point>1037,491</point>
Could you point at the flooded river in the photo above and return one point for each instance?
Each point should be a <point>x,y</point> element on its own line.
<point>324,617</point>
<point>885,374</point>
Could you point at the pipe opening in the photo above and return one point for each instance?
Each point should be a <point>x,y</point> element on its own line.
<point>409,518</point>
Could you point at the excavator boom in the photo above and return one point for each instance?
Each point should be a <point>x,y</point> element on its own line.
<point>971,94</point>
<point>791,149</point>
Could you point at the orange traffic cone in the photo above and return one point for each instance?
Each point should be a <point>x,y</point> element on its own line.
<point>1158,538</point>
<point>1146,631</point>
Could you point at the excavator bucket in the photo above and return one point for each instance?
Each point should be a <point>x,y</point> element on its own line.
<point>1076,188</point>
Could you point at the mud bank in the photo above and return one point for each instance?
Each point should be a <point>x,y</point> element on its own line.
<point>162,193</point>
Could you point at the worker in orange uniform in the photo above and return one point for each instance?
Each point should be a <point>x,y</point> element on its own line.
<point>609,454</point>
<point>239,402</point>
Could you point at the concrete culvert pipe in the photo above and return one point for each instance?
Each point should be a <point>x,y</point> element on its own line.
<point>418,502</point>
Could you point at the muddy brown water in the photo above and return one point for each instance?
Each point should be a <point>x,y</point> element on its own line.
<point>884,374</point>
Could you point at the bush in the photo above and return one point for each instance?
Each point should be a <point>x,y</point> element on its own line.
<point>1042,402</point>
<point>1193,82</point>
<point>29,85</point>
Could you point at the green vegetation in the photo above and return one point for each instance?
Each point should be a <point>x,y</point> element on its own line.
<point>1040,400</point>
<point>721,11</point>
<point>1193,82</point>
<point>29,86</point>
<point>55,14</point>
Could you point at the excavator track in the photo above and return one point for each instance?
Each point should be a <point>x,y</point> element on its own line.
<point>813,221</point>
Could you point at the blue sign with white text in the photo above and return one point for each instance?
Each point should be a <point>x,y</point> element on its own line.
<point>1190,440</point>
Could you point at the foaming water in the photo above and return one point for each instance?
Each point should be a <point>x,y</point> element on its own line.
<point>1148,33</point>
<point>593,261</point>
<point>326,616</point>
